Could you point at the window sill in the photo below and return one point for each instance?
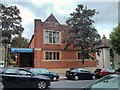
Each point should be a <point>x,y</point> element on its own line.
<point>51,60</point>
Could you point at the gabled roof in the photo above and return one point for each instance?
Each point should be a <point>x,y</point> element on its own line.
<point>51,18</point>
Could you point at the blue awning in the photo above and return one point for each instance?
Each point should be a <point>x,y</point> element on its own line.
<point>22,50</point>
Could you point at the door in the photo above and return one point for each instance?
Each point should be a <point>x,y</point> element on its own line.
<point>46,72</point>
<point>25,78</point>
<point>83,74</point>
<point>87,74</point>
<point>10,78</point>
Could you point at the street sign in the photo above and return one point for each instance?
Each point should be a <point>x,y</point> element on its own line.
<point>23,50</point>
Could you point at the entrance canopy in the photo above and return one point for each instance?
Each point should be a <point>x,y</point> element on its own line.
<point>21,50</point>
<point>24,56</point>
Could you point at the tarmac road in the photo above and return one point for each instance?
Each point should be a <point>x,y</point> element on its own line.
<point>69,84</point>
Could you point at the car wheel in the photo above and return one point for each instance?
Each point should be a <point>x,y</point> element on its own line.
<point>41,85</point>
<point>93,77</point>
<point>76,77</point>
<point>1,86</point>
<point>54,78</point>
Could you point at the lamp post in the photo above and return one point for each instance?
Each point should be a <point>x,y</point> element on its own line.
<point>6,46</point>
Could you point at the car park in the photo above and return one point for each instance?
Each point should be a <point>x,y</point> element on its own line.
<point>21,78</point>
<point>108,82</point>
<point>80,73</point>
<point>102,72</point>
<point>43,71</point>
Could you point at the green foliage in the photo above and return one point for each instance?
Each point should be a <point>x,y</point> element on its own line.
<point>115,39</point>
<point>81,31</point>
<point>10,22</point>
<point>19,42</point>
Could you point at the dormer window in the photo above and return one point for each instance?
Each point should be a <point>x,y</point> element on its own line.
<point>52,37</point>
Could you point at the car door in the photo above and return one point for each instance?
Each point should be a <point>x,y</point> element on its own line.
<point>10,78</point>
<point>26,79</point>
<point>87,74</point>
<point>45,72</point>
<point>81,73</point>
<point>84,74</point>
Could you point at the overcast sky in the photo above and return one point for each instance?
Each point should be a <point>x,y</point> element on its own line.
<point>105,20</point>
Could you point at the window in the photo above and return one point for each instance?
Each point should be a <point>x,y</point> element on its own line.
<point>24,72</point>
<point>11,72</point>
<point>52,37</point>
<point>48,55</point>
<point>86,55</point>
<point>86,71</point>
<point>52,55</point>
<point>55,55</point>
<point>44,71</point>
<point>52,24</point>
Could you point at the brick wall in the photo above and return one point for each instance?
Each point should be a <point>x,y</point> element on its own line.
<point>67,64</point>
<point>68,58</point>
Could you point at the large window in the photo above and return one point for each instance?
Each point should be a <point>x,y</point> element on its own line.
<point>52,55</point>
<point>52,37</point>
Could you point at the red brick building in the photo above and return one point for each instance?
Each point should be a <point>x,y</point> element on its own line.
<point>48,45</point>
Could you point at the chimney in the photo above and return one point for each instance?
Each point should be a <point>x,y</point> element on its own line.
<point>104,41</point>
<point>37,24</point>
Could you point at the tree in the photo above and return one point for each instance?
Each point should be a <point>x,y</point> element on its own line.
<point>115,39</point>
<point>10,22</point>
<point>19,42</point>
<point>81,32</point>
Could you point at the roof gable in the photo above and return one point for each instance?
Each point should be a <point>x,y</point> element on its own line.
<point>51,23</point>
<point>51,18</point>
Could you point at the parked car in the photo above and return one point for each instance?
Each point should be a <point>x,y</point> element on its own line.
<point>79,73</point>
<point>2,64</point>
<point>108,82</point>
<point>43,71</point>
<point>102,72</point>
<point>22,78</point>
<point>1,70</point>
<point>118,70</point>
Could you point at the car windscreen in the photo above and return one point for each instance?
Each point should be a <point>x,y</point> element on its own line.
<point>107,82</point>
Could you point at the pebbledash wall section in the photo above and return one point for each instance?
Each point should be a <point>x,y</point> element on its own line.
<point>67,58</point>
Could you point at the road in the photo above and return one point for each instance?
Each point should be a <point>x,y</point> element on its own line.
<point>69,84</point>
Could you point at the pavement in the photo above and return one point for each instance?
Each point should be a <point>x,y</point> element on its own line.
<point>62,76</point>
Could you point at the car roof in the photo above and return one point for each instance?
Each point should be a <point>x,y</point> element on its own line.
<point>79,69</point>
<point>14,68</point>
<point>38,68</point>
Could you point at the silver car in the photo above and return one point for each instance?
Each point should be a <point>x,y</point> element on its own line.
<point>108,82</point>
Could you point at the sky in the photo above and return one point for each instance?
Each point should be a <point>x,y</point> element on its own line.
<point>105,20</point>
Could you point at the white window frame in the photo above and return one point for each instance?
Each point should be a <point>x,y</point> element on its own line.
<point>45,42</point>
<point>52,55</point>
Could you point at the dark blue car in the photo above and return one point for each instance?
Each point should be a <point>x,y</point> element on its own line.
<point>22,78</point>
